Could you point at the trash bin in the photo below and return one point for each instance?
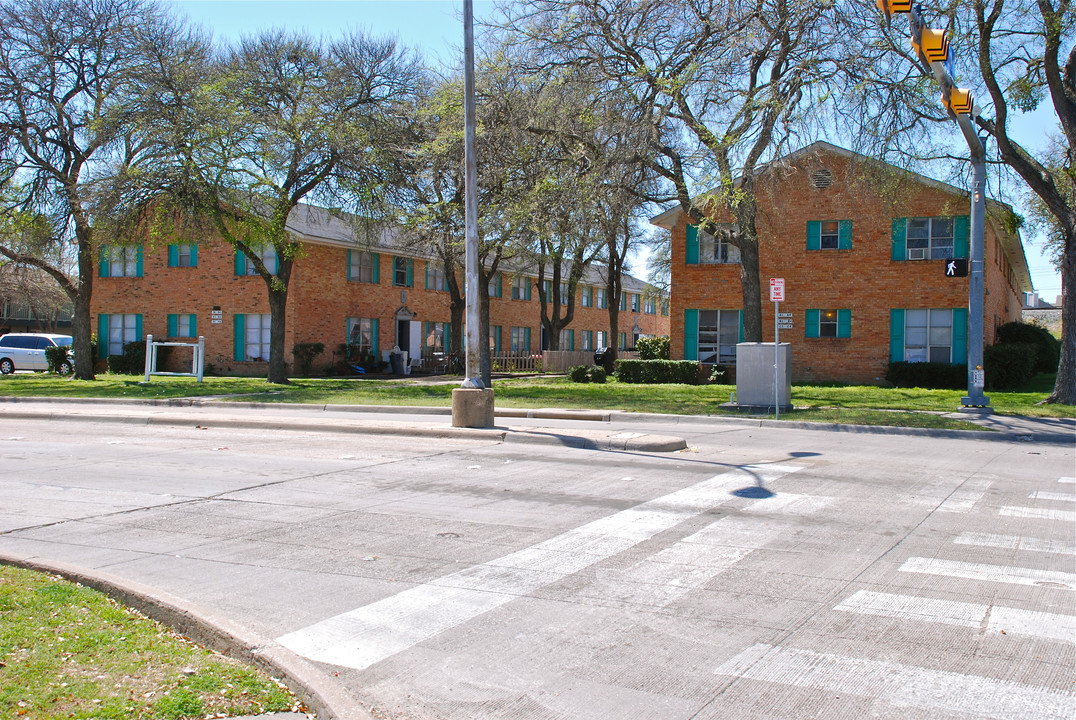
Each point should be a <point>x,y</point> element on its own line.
<point>599,356</point>
<point>396,360</point>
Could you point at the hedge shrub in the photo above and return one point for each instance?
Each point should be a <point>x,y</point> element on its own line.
<point>1009,365</point>
<point>1047,347</point>
<point>132,361</point>
<point>942,376</point>
<point>658,371</point>
<point>586,374</point>
<point>596,373</point>
<point>653,348</point>
<point>59,358</point>
<point>304,354</point>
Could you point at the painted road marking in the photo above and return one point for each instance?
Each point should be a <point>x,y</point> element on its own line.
<point>1060,497</point>
<point>965,498</point>
<point>1038,513</point>
<point>898,685</point>
<point>989,618</point>
<point>1016,542</point>
<point>1067,480</point>
<point>367,635</point>
<point>991,573</point>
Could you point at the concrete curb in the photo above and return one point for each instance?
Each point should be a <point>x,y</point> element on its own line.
<point>315,688</point>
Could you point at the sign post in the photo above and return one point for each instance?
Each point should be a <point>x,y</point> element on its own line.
<point>777,294</point>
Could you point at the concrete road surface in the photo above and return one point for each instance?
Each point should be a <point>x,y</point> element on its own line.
<point>760,573</point>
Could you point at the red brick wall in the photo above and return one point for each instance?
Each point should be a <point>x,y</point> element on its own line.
<point>864,279</point>
<point>320,300</point>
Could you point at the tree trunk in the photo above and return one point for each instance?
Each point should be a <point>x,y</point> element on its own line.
<point>278,301</point>
<point>614,328</point>
<point>1065,385</point>
<point>746,212</point>
<point>81,330</point>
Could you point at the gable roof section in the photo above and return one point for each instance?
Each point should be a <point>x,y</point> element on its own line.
<point>1010,241</point>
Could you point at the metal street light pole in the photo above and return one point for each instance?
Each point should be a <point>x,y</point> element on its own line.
<point>473,369</point>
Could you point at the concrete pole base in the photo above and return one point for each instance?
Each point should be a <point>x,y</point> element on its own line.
<point>472,407</point>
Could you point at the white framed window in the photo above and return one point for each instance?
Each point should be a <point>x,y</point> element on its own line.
<point>123,261</point>
<point>603,302</point>
<point>401,271</point>
<point>585,297</point>
<point>362,335</point>
<point>257,336</point>
<point>182,255</point>
<point>718,249</point>
<point>650,306</point>
<point>267,254</point>
<point>930,238</point>
<point>634,302</point>
<point>719,331</point>
<point>436,334</point>
<point>602,341</point>
<point>520,287</point>
<point>564,293</point>
<point>363,267</point>
<point>122,328</point>
<point>521,339</point>
<point>586,339</point>
<point>567,339</point>
<point>435,277</point>
<point>928,336</point>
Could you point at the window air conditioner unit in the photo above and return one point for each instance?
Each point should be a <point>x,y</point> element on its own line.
<point>917,253</point>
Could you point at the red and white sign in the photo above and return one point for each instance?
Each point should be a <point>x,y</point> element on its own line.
<point>777,289</point>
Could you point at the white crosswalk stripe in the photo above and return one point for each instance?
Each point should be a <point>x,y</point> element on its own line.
<point>898,685</point>
<point>1016,542</point>
<point>1038,513</point>
<point>992,573</point>
<point>367,635</point>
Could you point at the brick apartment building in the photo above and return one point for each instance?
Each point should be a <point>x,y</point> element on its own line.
<point>863,248</point>
<point>372,295</point>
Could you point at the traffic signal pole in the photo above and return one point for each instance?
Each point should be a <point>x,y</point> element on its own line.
<point>935,56</point>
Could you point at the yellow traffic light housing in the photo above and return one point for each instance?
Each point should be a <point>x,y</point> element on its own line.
<point>934,45</point>
<point>960,101</point>
<point>888,7</point>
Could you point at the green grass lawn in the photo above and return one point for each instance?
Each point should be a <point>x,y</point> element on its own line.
<point>67,651</point>
<point>846,404</point>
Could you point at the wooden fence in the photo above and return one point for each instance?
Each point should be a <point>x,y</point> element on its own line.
<point>558,361</point>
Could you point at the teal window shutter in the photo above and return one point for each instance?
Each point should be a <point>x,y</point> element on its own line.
<point>240,263</point>
<point>528,292</point>
<point>194,255</point>
<point>691,334</point>
<point>814,235</point>
<point>349,265</point>
<point>240,338</point>
<point>741,326</point>
<point>844,323</point>
<point>376,260</point>
<point>623,301</point>
<point>103,266</point>
<point>373,337</point>
<point>173,255</point>
<point>960,335</point>
<point>571,339</point>
<point>810,324</point>
<point>500,284</point>
<point>173,325</point>
<point>900,250</point>
<point>427,274</point>
<point>844,235</point>
<point>102,336</point>
<point>527,342</point>
<point>590,296</point>
<point>138,268</point>
<point>138,327</point>
<point>548,291</point>
<point>961,236</point>
<point>276,263</point>
<point>896,335</point>
<point>448,336</point>
<point>194,325</point>
<point>692,246</point>
<point>410,272</point>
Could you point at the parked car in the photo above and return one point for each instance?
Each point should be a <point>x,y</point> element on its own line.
<point>26,351</point>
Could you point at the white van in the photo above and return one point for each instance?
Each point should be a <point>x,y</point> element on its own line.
<point>26,351</point>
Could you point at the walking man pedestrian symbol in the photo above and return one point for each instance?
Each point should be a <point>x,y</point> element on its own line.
<point>950,269</point>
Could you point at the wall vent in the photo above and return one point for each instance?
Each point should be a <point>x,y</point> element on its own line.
<point>821,179</point>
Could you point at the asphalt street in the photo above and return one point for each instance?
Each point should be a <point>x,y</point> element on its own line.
<point>398,568</point>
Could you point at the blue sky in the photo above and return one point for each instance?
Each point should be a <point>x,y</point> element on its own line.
<point>435,27</point>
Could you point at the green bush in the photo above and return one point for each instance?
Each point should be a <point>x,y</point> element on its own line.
<point>1009,365</point>
<point>59,358</point>
<point>652,372</point>
<point>579,373</point>
<point>719,373</point>
<point>653,348</point>
<point>1047,347</point>
<point>941,376</point>
<point>596,373</point>
<point>304,354</point>
<point>132,361</point>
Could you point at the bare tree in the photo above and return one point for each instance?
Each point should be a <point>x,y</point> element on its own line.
<point>723,85</point>
<point>70,74</point>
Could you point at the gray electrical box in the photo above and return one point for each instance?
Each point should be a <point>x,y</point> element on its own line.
<point>755,375</point>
